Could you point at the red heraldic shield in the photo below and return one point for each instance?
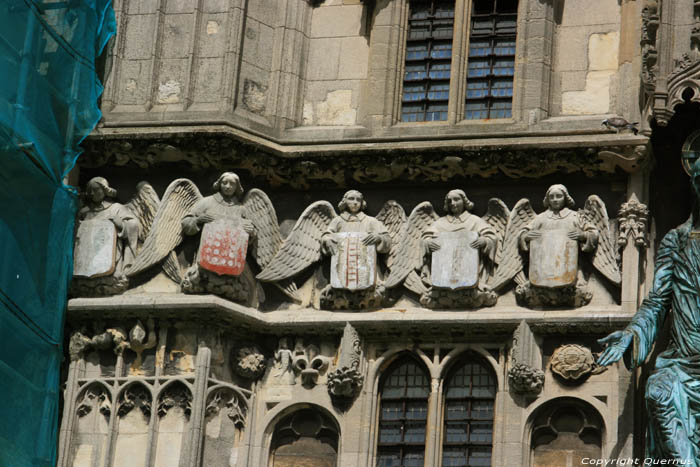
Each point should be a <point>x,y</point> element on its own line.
<point>223,247</point>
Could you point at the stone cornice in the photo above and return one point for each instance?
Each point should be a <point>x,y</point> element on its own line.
<point>346,163</point>
<point>209,309</point>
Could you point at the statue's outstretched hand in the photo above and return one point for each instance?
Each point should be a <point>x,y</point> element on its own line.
<point>615,345</point>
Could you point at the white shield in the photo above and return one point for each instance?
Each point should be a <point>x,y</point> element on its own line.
<point>456,264</point>
<point>553,259</point>
<point>95,249</point>
<point>354,266</point>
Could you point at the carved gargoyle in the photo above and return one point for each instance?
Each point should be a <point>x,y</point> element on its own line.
<point>551,242</point>
<point>230,226</point>
<point>352,239</point>
<point>448,261</point>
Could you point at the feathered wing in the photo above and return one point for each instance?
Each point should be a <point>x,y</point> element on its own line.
<point>409,255</point>
<point>302,247</point>
<point>497,217</point>
<point>393,217</point>
<point>144,205</point>
<point>508,258</point>
<point>604,258</point>
<point>166,231</point>
<point>260,211</point>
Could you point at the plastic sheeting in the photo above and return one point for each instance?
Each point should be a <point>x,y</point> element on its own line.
<point>48,104</point>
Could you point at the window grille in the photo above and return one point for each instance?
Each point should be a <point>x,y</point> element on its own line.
<point>491,62</point>
<point>470,393</point>
<point>427,70</point>
<point>403,415</point>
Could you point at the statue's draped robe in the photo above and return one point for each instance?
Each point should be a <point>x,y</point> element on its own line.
<point>673,389</point>
<point>360,222</point>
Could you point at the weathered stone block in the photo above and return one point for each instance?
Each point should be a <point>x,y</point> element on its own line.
<point>140,31</point>
<point>213,35</point>
<point>354,57</point>
<point>134,81</point>
<point>337,21</point>
<point>324,57</point>
<point>591,13</point>
<point>177,36</point>
<point>209,72</point>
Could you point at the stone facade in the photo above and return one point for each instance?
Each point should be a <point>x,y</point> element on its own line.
<point>181,365</point>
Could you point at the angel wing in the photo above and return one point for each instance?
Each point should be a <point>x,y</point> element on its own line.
<point>409,256</point>
<point>393,217</point>
<point>302,247</point>
<point>604,258</point>
<point>260,211</point>
<point>510,263</point>
<point>166,231</point>
<point>144,205</point>
<point>497,217</point>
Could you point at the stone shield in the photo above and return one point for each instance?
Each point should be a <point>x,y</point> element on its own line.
<point>456,264</point>
<point>223,247</point>
<point>354,266</point>
<point>553,259</point>
<point>95,249</point>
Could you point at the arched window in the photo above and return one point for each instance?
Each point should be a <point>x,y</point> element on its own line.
<point>306,437</point>
<point>470,392</point>
<point>565,431</point>
<point>403,414</point>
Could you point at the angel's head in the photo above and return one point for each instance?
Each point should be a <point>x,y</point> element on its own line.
<point>557,197</point>
<point>456,202</point>
<point>229,185</point>
<point>353,202</point>
<point>98,189</point>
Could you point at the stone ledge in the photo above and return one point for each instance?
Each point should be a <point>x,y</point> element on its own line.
<point>388,321</point>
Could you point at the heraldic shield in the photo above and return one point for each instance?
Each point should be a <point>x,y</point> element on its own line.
<point>456,264</point>
<point>553,259</point>
<point>95,249</point>
<point>354,266</point>
<point>223,247</point>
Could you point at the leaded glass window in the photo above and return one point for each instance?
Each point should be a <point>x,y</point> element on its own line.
<point>470,393</point>
<point>427,69</point>
<point>491,62</point>
<point>403,415</point>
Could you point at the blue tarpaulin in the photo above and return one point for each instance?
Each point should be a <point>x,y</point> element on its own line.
<point>48,104</point>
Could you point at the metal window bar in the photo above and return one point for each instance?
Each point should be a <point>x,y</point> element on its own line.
<point>405,388</point>
<point>468,436</point>
<point>428,61</point>
<point>491,59</point>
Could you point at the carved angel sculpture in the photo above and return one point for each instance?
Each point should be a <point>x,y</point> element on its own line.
<point>351,238</point>
<point>109,236</point>
<point>449,260</point>
<point>551,241</point>
<point>229,224</point>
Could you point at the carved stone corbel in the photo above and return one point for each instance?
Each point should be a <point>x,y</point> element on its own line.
<point>345,380</point>
<point>634,220</point>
